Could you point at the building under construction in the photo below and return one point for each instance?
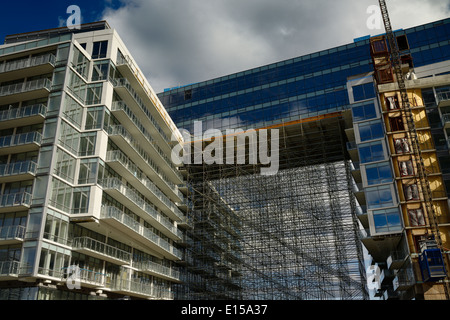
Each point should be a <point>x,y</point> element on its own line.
<point>299,232</point>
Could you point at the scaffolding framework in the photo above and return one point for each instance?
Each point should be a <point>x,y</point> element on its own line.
<point>290,236</point>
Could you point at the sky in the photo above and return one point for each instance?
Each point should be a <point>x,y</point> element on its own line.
<point>179,42</point>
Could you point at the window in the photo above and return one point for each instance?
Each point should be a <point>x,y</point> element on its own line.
<point>401,146</point>
<point>99,49</point>
<point>416,217</point>
<point>363,91</point>
<point>387,220</point>
<point>396,124</point>
<point>411,192</point>
<point>94,118</point>
<point>379,197</point>
<point>370,152</point>
<point>364,112</point>
<point>370,130</point>
<point>378,173</point>
<point>406,168</point>
<point>100,70</point>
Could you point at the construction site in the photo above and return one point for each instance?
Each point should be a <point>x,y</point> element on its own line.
<point>292,235</point>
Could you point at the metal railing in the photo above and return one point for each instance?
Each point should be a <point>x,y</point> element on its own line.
<point>12,232</point>
<point>100,247</point>
<point>134,286</point>
<point>119,215</point>
<point>22,112</point>
<point>27,62</point>
<point>20,139</point>
<point>25,87</point>
<point>443,96</point>
<point>116,184</point>
<point>20,167</point>
<point>9,268</point>
<point>15,199</point>
<point>117,155</point>
<point>157,268</point>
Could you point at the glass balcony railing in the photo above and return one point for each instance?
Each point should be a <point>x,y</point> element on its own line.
<point>25,87</point>
<point>351,145</point>
<point>157,268</point>
<point>116,184</point>
<point>119,215</point>
<point>27,62</point>
<point>12,232</point>
<point>9,268</point>
<point>122,106</point>
<point>121,131</point>
<point>134,286</point>
<point>117,155</point>
<point>15,199</point>
<point>101,248</point>
<point>20,139</point>
<point>16,168</point>
<point>22,112</point>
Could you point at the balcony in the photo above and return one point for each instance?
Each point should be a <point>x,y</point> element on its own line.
<point>127,68</point>
<point>143,290</point>
<point>123,139</point>
<point>27,67</point>
<point>101,250</point>
<point>443,99</point>
<point>446,120</point>
<point>9,270</point>
<point>133,229</point>
<point>17,171</point>
<point>12,235</point>
<point>121,163</point>
<point>158,270</point>
<point>19,143</point>
<point>23,116</point>
<point>145,138</point>
<point>116,189</point>
<point>396,259</point>
<point>15,202</point>
<point>28,90</point>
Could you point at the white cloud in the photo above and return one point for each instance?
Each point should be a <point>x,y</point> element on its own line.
<point>177,42</point>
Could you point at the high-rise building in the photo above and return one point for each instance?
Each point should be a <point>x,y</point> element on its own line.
<point>301,228</point>
<point>89,198</point>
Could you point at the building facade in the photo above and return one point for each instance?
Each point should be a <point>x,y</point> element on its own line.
<point>304,92</point>
<point>90,203</point>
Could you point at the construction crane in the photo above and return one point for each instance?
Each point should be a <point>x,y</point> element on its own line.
<point>422,178</point>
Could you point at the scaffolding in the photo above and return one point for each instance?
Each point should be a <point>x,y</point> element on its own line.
<point>289,236</point>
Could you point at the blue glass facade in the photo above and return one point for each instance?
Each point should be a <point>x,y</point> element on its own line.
<point>297,88</point>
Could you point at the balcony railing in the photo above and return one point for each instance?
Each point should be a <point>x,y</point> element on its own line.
<point>12,232</point>
<point>117,155</point>
<point>16,168</point>
<point>116,184</point>
<point>27,62</point>
<point>116,213</point>
<point>25,87</point>
<point>157,268</point>
<point>22,112</point>
<point>351,145</point>
<point>101,248</point>
<point>9,268</point>
<point>15,199</point>
<point>149,290</point>
<point>121,131</point>
<point>20,139</point>
<point>119,105</point>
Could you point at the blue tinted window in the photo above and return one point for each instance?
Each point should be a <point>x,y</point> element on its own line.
<point>378,173</point>
<point>363,92</point>
<point>379,197</point>
<point>370,130</point>
<point>364,112</point>
<point>387,220</point>
<point>371,152</point>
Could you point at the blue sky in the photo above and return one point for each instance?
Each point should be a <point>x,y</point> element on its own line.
<point>177,42</point>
